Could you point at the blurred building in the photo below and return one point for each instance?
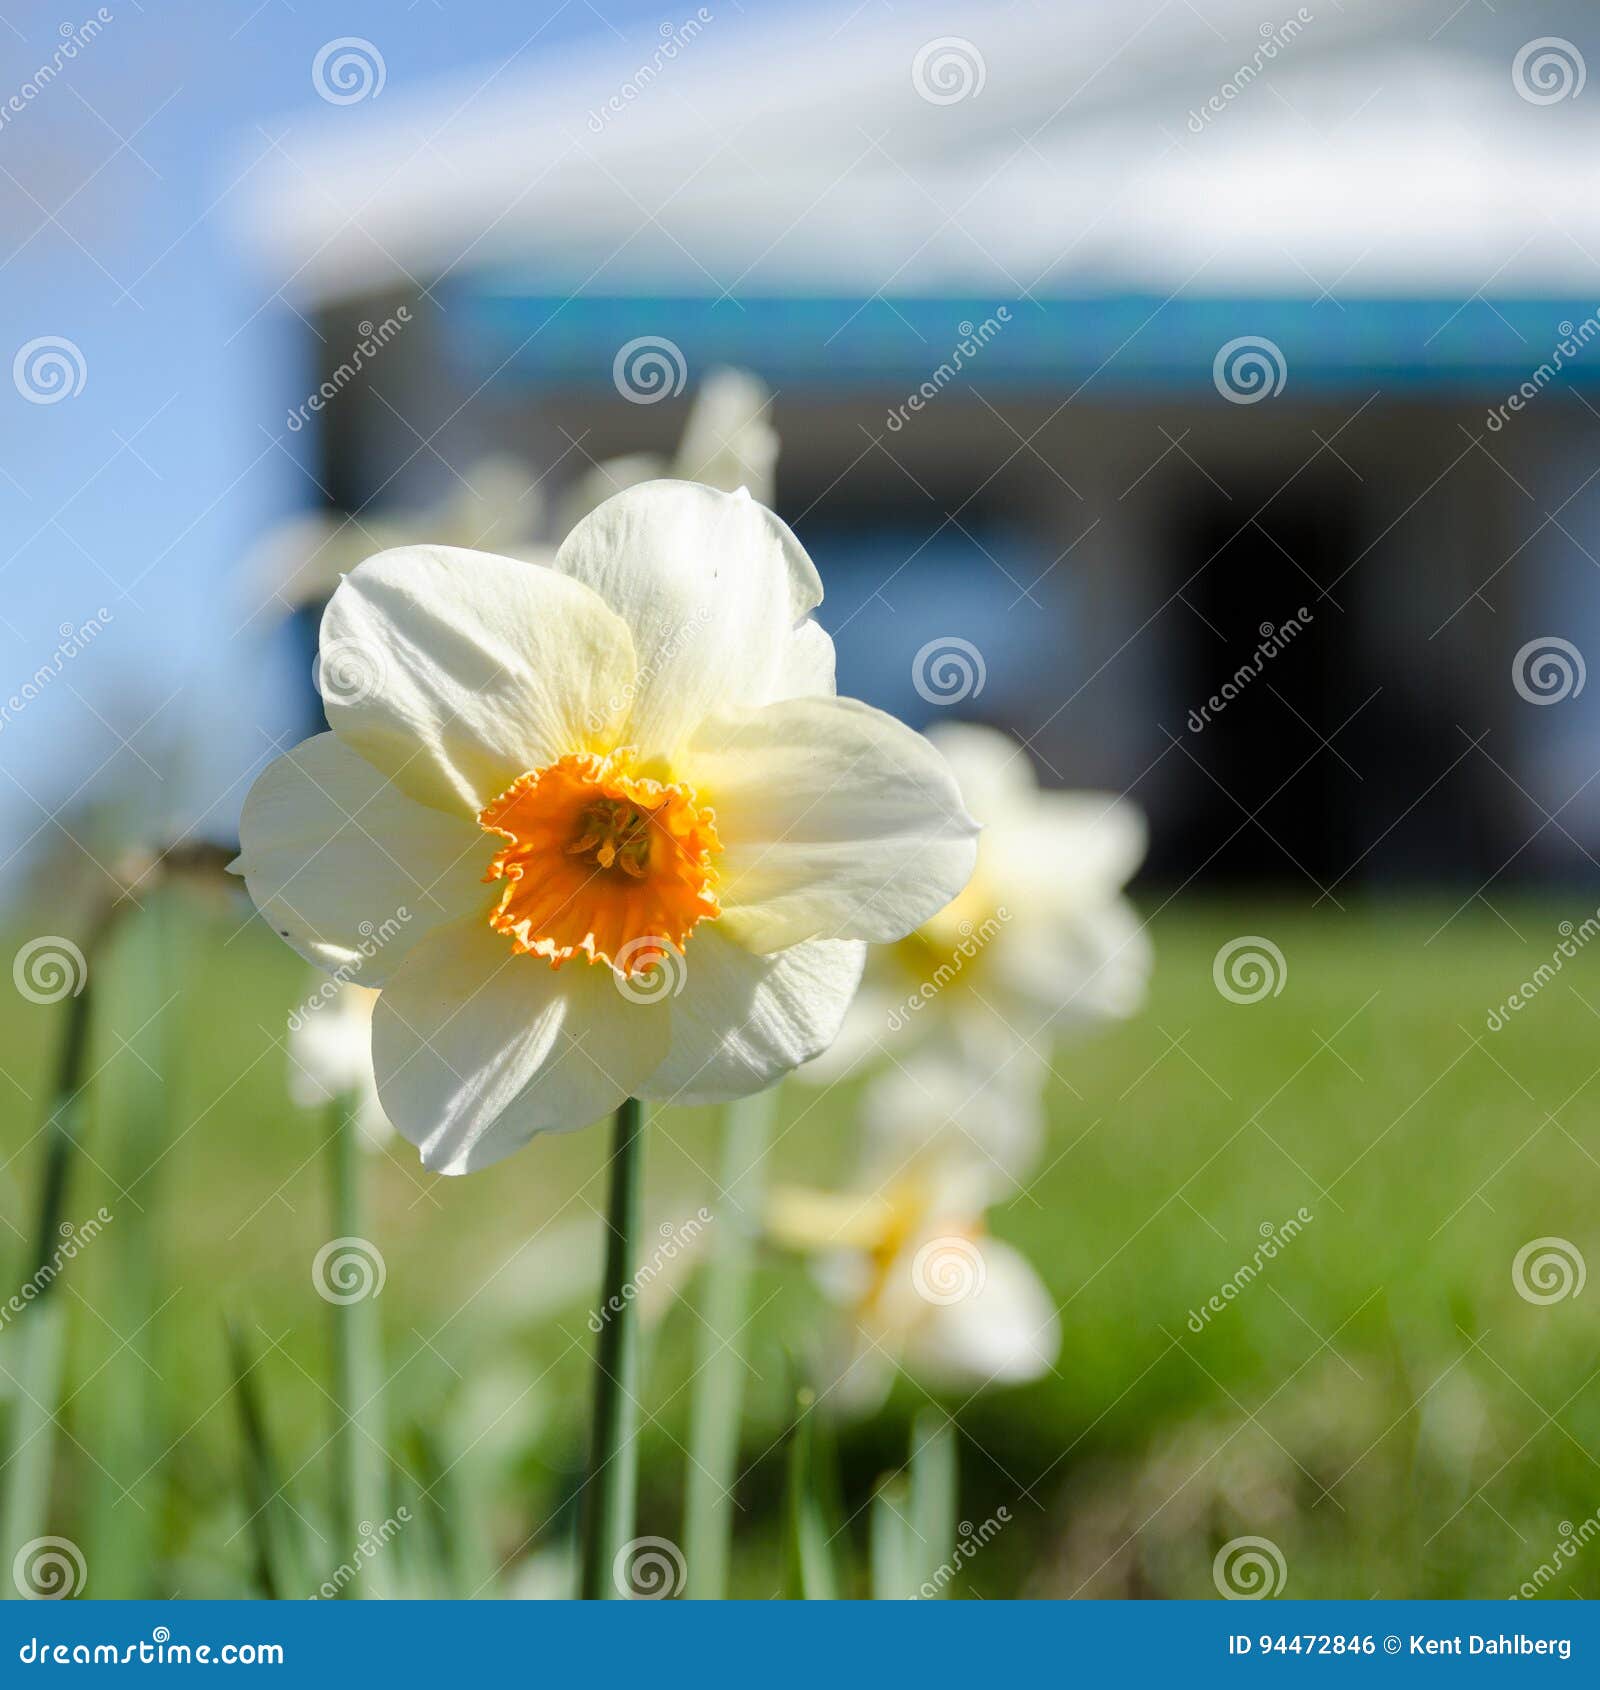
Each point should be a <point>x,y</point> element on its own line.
<point>1107,339</point>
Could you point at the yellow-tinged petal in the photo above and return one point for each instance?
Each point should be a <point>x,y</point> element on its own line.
<point>346,867</point>
<point>454,671</point>
<point>835,819</point>
<point>801,1218</point>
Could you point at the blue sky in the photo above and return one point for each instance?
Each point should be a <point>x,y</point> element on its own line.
<point>140,493</point>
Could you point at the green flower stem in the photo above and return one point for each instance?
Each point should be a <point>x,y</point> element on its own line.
<point>718,1388</point>
<point>935,1485</point>
<point>360,1466</point>
<point>613,1482</point>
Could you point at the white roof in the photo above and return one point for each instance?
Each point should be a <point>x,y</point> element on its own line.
<point>795,154</point>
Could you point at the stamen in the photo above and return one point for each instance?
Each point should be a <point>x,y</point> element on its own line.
<point>598,859</point>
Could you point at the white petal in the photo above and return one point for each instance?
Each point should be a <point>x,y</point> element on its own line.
<point>1073,847</point>
<point>1088,965</point>
<point>807,666</point>
<point>862,1038</point>
<point>741,1021</point>
<point>476,1049</point>
<point>938,1101</point>
<point>835,819</point>
<point>347,868</point>
<point>1006,1334</point>
<point>710,585</point>
<point>456,671</point>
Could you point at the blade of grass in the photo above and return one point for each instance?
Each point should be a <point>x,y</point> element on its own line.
<point>612,1486</point>
<point>808,1563</point>
<point>274,1528</point>
<point>125,1416</point>
<point>892,1540</point>
<point>39,1341</point>
<point>718,1390</point>
<point>434,1552</point>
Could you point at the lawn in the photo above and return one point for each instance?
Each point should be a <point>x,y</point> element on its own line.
<point>1378,1400</point>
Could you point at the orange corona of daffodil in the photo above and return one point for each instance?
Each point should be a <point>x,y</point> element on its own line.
<point>614,829</point>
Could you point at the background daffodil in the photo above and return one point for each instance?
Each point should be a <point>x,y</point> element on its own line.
<point>728,441</point>
<point>1039,943</point>
<point>920,1281</point>
<point>621,837</point>
<point>330,1056</point>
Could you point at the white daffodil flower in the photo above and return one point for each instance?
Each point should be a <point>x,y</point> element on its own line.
<point>303,559</point>
<point>1039,943</point>
<point>727,442</point>
<point>922,1282</point>
<point>330,1055</point>
<point>937,1101</point>
<point>599,829</point>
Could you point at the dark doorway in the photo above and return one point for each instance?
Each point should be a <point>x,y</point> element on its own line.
<point>1275,672</point>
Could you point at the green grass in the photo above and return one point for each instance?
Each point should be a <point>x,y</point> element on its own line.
<point>1379,1402</point>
